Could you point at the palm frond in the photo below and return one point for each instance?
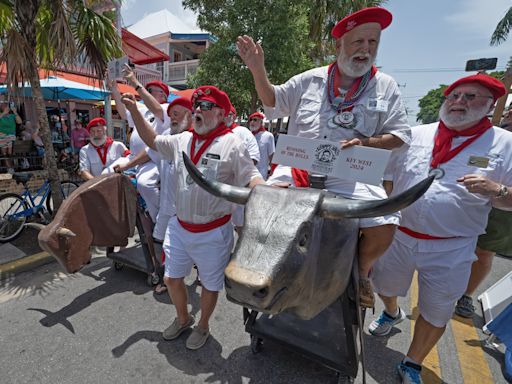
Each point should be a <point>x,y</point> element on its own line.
<point>500,34</point>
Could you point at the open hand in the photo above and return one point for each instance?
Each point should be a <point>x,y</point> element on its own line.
<point>250,52</point>
<point>129,75</point>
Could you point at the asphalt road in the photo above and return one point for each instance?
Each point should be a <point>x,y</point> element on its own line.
<point>104,326</point>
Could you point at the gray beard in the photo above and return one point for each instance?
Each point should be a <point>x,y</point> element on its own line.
<point>471,116</point>
<point>98,142</point>
<point>179,127</point>
<point>352,69</point>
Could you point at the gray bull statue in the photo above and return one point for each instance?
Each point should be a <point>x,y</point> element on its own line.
<point>99,212</point>
<point>297,247</point>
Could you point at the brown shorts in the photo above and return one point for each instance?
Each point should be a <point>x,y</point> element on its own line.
<point>498,236</point>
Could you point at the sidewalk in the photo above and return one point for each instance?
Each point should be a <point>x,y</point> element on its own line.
<point>22,254</point>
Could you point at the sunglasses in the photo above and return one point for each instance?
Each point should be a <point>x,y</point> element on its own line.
<point>205,105</point>
<point>254,119</point>
<point>465,96</point>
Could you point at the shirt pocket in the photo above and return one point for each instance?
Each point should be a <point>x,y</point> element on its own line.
<point>308,114</point>
<point>367,120</point>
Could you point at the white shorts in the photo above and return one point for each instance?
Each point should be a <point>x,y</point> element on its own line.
<point>209,250</point>
<point>442,276</point>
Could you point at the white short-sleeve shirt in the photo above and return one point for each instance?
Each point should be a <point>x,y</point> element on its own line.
<point>447,209</point>
<point>224,160</point>
<point>266,145</point>
<point>136,143</point>
<point>90,160</point>
<point>249,141</point>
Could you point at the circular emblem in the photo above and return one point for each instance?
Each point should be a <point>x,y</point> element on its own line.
<point>438,173</point>
<point>189,180</point>
<point>345,120</point>
<point>326,153</point>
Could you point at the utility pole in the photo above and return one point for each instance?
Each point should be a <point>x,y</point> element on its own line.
<point>500,105</point>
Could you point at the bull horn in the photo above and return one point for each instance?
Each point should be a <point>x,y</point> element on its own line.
<point>337,208</point>
<point>37,226</point>
<point>238,195</point>
<point>65,232</point>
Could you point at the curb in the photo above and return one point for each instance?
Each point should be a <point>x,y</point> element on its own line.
<point>24,264</point>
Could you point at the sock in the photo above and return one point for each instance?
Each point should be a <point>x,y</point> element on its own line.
<point>411,363</point>
<point>394,314</point>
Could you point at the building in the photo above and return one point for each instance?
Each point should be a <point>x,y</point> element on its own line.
<point>182,43</point>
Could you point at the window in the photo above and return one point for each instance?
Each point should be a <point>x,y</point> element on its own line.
<point>177,56</point>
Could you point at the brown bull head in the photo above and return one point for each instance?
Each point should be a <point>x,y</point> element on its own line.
<point>100,212</point>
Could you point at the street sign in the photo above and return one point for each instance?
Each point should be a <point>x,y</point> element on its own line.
<point>481,64</point>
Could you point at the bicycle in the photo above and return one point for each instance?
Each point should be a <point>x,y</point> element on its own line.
<point>16,209</point>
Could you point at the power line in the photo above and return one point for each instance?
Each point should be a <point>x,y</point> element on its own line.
<point>433,70</point>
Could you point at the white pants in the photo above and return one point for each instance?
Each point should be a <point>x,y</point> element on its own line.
<point>442,275</point>
<point>148,180</point>
<point>209,250</point>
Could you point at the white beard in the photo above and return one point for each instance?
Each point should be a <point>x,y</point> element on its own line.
<point>458,120</point>
<point>180,127</point>
<point>202,128</point>
<point>98,142</point>
<point>352,68</point>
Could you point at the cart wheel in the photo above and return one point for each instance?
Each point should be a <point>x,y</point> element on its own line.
<point>344,379</point>
<point>256,344</point>
<point>118,266</point>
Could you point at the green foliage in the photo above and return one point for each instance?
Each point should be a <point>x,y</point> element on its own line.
<point>500,34</point>
<point>431,102</point>
<point>282,28</point>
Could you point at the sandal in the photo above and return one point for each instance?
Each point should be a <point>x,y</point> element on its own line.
<point>160,288</point>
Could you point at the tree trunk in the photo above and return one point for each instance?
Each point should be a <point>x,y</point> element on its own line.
<point>49,155</point>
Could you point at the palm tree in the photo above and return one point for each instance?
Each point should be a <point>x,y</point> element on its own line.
<point>500,34</point>
<point>323,15</point>
<point>53,34</point>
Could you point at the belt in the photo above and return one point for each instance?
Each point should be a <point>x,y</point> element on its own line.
<point>197,228</point>
<point>423,236</point>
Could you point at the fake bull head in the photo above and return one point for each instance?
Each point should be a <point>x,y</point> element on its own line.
<point>99,212</point>
<point>297,247</point>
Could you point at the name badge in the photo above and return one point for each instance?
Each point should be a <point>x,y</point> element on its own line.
<point>378,105</point>
<point>479,162</point>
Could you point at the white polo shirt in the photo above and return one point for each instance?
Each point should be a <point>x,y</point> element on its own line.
<point>249,140</point>
<point>447,209</point>
<point>90,160</point>
<point>224,160</point>
<point>136,143</point>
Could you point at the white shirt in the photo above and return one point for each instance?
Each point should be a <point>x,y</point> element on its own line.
<point>249,141</point>
<point>136,143</point>
<point>305,99</point>
<point>447,209</point>
<point>224,160</point>
<point>90,161</point>
<point>266,145</point>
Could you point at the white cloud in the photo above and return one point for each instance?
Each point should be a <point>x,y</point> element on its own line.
<point>478,17</point>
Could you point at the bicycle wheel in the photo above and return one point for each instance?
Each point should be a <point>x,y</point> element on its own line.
<point>11,227</point>
<point>66,187</point>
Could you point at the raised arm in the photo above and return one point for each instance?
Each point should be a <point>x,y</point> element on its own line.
<point>146,133</point>
<point>121,109</point>
<point>253,56</point>
<point>149,101</point>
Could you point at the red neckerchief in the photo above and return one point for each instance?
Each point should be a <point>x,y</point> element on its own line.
<point>441,152</point>
<point>208,139</point>
<point>262,129</point>
<point>337,83</point>
<point>103,150</point>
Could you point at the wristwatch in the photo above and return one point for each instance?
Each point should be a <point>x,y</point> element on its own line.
<point>138,87</point>
<point>502,192</point>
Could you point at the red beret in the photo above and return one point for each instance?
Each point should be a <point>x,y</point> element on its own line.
<point>494,85</point>
<point>366,15</point>
<point>160,85</point>
<point>184,102</point>
<point>213,94</point>
<point>259,115</point>
<point>99,121</point>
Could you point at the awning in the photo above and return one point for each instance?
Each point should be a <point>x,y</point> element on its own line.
<point>139,51</point>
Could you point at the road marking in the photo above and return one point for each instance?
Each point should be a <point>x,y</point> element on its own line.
<point>431,373</point>
<point>473,365</point>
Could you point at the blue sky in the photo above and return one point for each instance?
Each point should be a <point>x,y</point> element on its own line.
<point>427,44</point>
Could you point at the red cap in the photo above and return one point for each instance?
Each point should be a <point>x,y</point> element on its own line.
<point>494,85</point>
<point>366,15</point>
<point>98,121</point>
<point>184,102</point>
<point>160,85</point>
<point>213,94</point>
<point>259,115</point>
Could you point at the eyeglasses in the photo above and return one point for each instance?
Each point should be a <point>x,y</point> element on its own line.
<point>254,119</point>
<point>205,105</point>
<point>465,96</point>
